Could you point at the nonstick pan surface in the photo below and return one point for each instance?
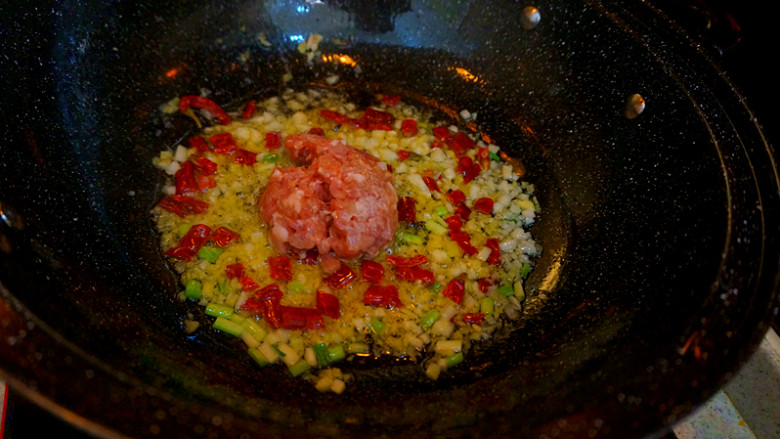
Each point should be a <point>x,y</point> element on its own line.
<point>660,268</point>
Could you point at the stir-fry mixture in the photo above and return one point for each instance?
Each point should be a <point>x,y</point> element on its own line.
<point>317,231</point>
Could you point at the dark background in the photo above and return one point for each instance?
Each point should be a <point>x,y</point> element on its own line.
<point>740,38</point>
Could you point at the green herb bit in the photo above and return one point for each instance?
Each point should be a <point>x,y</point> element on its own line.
<point>435,227</point>
<point>494,157</point>
<point>182,229</point>
<point>524,270</point>
<point>377,327</point>
<point>486,305</point>
<point>193,289</point>
<point>441,211</point>
<point>270,158</point>
<point>411,238</point>
<point>358,348</point>
<point>295,286</point>
<point>321,352</point>
<point>505,290</point>
<point>209,253</point>
<point>258,356</point>
<point>429,318</point>
<point>299,367</point>
<point>233,328</point>
<point>436,287</point>
<point>219,310</point>
<point>254,329</point>
<point>454,360</point>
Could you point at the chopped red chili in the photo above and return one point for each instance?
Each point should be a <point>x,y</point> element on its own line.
<point>381,119</point>
<point>413,274</point>
<point>484,284</point>
<point>235,271</point>
<point>441,133</point>
<point>400,261</point>
<point>273,140</point>
<point>463,211</point>
<point>495,254</point>
<point>328,304</point>
<point>199,143</point>
<point>454,223</point>
<point>206,166</point>
<point>390,101</point>
<point>293,317</point>
<point>199,102</point>
<point>454,290</point>
<point>185,179</point>
<point>474,318</point>
<point>190,243</point>
<point>248,284</point>
<point>249,110</point>
<point>317,131</point>
<point>456,196</point>
<point>483,157</point>
<point>341,277</point>
<point>468,169</point>
<point>224,236</point>
<point>224,143</point>
<point>403,155</point>
<point>244,157</point>
<point>183,205</point>
<point>460,143</point>
<point>269,298</point>
<point>464,241</point>
<point>280,267</point>
<point>431,183</point>
<point>406,209</point>
<point>484,205</point>
<point>409,127</point>
<point>386,296</point>
<point>371,271</point>
<point>206,182</point>
<point>337,117</point>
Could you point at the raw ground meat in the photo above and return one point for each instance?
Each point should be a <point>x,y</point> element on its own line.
<point>342,201</point>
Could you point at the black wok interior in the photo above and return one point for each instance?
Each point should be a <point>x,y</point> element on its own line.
<point>660,266</point>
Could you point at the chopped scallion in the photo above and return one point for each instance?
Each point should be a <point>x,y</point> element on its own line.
<point>254,329</point>
<point>377,327</point>
<point>435,227</point>
<point>270,158</point>
<point>295,286</point>
<point>411,238</point>
<point>440,210</point>
<point>429,317</point>
<point>524,270</point>
<point>454,360</point>
<point>298,367</point>
<point>209,253</point>
<point>321,352</point>
<point>257,356</point>
<point>218,310</point>
<point>193,289</point>
<point>225,325</point>
<point>486,305</point>
<point>494,157</point>
<point>336,353</point>
<point>505,290</point>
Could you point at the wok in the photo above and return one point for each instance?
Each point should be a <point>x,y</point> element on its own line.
<point>660,266</point>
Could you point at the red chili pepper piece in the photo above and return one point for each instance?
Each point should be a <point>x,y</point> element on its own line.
<point>224,236</point>
<point>464,241</point>
<point>406,209</point>
<point>454,223</point>
<point>199,143</point>
<point>460,143</point>
<point>317,131</point>
<point>474,318</point>
<point>206,182</point>
<point>456,197</point>
<point>441,133</point>
<point>431,183</point>
<point>206,166</point>
<point>248,284</point>
<point>484,205</point>
<point>269,297</point>
<point>414,274</point>
<point>337,117</point>
<point>185,179</point>
<point>244,157</point>
<point>468,169</point>
<point>484,284</point>
<point>328,304</point>
<point>190,243</point>
<point>249,110</point>
<point>454,290</point>
<point>199,102</point>
<point>292,317</point>
<point>372,272</point>
<point>390,101</point>
<point>235,271</point>
<point>341,277</point>
<point>183,205</point>
<point>273,140</point>
<point>403,155</point>
<point>495,254</point>
<point>400,261</point>
<point>381,118</point>
<point>483,157</point>
<point>386,296</point>
<point>280,267</point>
<point>252,304</point>
<point>463,211</point>
<point>409,127</point>
<point>224,143</point>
